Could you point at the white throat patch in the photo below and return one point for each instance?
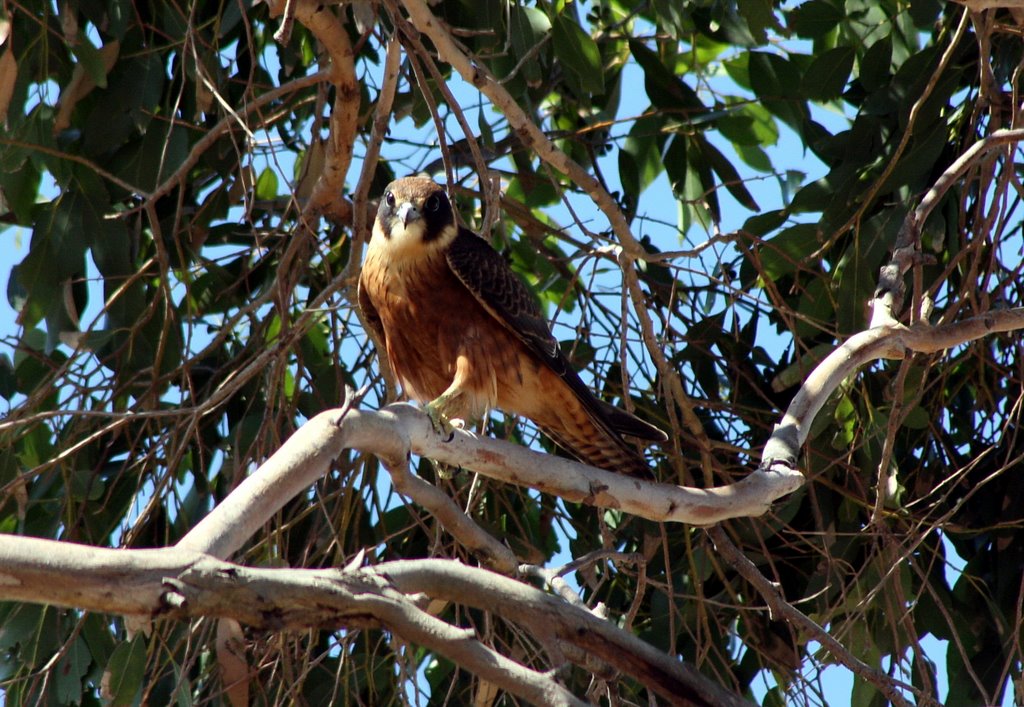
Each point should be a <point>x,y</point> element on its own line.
<point>406,241</point>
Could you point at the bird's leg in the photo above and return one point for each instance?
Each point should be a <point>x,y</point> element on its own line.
<point>448,410</point>
<point>442,412</point>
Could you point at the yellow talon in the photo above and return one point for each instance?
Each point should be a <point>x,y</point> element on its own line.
<point>441,424</point>
<point>440,411</point>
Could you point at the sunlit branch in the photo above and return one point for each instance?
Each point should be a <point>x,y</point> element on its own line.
<point>906,250</point>
<point>890,341</point>
<point>178,583</point>
<point>399,430</point>
<point>324,23</point>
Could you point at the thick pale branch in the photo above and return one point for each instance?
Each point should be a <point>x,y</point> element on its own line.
<point>789,435</point>
<point>400,429</point>
<point>585,484</point>
<point>891,341</point>
<point>298,599</point>
<point>178,583</point>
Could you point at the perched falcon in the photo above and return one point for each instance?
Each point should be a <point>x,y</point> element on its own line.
<point>464,335</point>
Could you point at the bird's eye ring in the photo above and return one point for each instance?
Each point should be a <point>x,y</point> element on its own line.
<point>389,198</point>
<point>433,203</point>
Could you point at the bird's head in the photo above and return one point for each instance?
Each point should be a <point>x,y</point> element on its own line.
<point>415,217</point>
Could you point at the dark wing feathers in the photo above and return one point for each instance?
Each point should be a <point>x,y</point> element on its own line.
<point>486,274</point>
<point>488,277</point>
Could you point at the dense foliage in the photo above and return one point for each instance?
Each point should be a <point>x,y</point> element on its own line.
<point>176,321</point>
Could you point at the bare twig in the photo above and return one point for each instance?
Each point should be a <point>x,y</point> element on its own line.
<point>905,253</point>
<point>782,610</point>
<point>224,125</point>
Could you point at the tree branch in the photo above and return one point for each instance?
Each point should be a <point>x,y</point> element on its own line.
<point>177,583</point>
<point>906,249</point>
<point>891,341</point>
<point>398,430</point>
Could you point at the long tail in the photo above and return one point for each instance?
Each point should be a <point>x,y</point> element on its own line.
<point>593,441</point>
<point>579,422</point>
<point>602,453</point>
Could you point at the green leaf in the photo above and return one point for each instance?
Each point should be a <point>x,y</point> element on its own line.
<point>664,88</point>
<point>34,629</point>
<point>7,382</point>
<point>70,669</point>
<point>579,53</point>
<point>19,187</point>
<point>266,184</point>
<point>731,179</point>
<point>777,81</point>
<point>750,125</point>
<point>85,485</point>
<point>755,157</point>
<point>528,26</point>
<point>815,18</point>
<point>764,222</point>
<point>125,670</point>
<point>145,163</point>
<point>782,254</point>
<point>738,69</point>
<point>828,74</point>
<point>97,634</point>
<point>876,66</point>
<point>759,16</point>
<point>89,57</point>
<point>640,157</point>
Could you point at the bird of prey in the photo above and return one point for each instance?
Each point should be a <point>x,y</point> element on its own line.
<point>464,335</point>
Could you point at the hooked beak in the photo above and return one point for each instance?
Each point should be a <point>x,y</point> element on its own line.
<point>407,213</point>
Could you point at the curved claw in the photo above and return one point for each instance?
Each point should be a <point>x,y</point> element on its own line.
<point>439,421</point>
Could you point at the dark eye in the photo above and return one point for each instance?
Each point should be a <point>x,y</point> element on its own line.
<point>389,199</point>
<point>433,203</point>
